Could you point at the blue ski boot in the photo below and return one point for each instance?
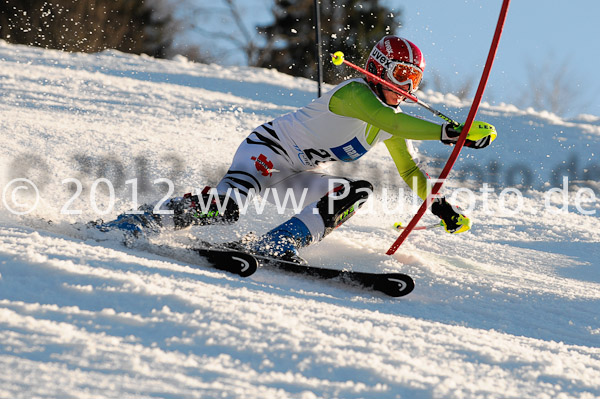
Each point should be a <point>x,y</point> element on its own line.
<point>182,212</point>
<point>282,242</point>
<point>134,224</point>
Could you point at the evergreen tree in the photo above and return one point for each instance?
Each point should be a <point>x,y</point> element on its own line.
<point>130,26</point>
<point>352,26</point>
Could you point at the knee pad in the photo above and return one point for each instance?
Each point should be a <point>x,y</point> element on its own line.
<point>339,205</point>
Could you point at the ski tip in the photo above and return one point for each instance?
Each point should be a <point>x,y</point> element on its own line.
<point>247,264</point>
<point>232,261</point>
<point>395,284</point>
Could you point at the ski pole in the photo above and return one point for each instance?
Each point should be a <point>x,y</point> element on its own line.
<point>399,226</point>
<point>338,59</point>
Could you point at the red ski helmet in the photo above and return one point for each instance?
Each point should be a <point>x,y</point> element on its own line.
<point>398,61</point>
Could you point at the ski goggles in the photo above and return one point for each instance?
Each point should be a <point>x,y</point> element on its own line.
<point>402,73</point>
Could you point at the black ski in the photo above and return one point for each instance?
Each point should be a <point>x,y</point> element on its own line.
<point>392,284</point>
<point>230,260</point>
<point>236,262</point>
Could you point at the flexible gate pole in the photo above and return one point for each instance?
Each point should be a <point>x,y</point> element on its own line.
<point>463,135</point>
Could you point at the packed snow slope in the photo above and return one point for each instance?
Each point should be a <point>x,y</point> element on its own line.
<point>508,310</point>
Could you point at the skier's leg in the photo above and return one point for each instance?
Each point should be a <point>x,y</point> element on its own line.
<point>334,200</point>
<point>336,207</point>
<point>255,168</point>
<point>176,213</point>
<point>205,208</point>
<point>259,162</point>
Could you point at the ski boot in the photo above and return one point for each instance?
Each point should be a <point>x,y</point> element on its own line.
<point>133,225</point>
<point>333,210</point>
<point>204,209</point>
<point>282,242</point>
<point>177,213</point>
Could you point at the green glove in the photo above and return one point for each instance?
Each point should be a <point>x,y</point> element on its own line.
<point>480,135</point>
<point>453,221</point>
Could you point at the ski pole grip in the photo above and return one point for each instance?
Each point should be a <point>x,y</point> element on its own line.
<point>337,58</point>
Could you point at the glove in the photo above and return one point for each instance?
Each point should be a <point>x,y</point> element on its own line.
<point>480,135</point>
<point>452,221</point>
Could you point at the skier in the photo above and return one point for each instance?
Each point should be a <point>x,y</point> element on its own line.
<point>342,125</point>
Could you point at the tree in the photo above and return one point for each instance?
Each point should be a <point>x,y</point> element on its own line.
<point>460,88</point>
<point>352,26</point>
<point>132,26</point>
<point>552,85</point>
<point>218,31</point>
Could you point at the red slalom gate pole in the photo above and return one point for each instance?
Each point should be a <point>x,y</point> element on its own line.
<point>463,135</point>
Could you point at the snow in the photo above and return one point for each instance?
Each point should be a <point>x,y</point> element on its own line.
<point>509,310</point>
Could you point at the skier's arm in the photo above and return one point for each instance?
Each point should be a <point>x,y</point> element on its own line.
<point>407,167</point>
<point>453,221</point>
<point>356,100</point>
